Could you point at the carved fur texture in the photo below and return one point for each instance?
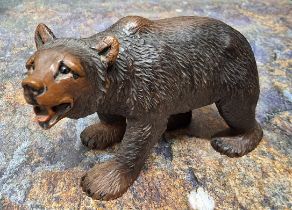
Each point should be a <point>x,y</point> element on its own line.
<point>142,77</point>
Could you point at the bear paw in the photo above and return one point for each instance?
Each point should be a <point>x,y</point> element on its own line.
<point>238,145</point>
<point>101,135</point>
<point>228,146</point>
<point>106,181</point>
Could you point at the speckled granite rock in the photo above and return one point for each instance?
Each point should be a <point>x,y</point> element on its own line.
<point>41,169</point>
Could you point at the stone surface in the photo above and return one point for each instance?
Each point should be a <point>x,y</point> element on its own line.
<point>41,169</point>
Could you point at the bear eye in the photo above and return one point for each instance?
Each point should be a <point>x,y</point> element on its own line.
<point>64,69</point>
<point>30,68</point>
<point>75,76</point>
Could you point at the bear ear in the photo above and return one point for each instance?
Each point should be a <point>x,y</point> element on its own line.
<point>108,49</point>
<point>42,35</point>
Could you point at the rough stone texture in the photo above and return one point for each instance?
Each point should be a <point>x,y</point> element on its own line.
<point>41,169</point>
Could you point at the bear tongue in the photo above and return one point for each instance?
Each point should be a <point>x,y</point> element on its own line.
<point>43,114</point>
<point>42,118</point>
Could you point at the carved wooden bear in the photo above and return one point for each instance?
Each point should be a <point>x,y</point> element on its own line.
<point>142,76</point>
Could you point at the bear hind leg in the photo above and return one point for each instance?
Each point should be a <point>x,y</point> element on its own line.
<point>178,121</point>
<point>245,133</point>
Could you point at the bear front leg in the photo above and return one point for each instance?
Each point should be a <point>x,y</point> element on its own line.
<point>111,179</point>
<point>108,131</point>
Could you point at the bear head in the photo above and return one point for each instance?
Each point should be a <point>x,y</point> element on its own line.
<point>67,77</point>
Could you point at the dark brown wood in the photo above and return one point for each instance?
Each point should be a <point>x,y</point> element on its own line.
<point>142,76</point>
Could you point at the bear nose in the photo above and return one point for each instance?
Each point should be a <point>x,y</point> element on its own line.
<point>34,87</point>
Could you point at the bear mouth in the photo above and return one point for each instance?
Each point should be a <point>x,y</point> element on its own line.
<point>49,116</point>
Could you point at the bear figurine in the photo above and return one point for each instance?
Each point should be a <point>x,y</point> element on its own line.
<point>143,77</point>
